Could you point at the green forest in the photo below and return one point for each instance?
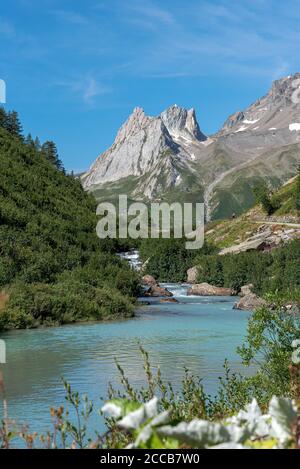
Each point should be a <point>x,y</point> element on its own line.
<point>53,268</point>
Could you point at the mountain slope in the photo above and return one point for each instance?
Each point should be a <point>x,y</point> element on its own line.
<point>158,157</point>
<point>49,251</point>
<point>153,151</point>
<point>228,232</point>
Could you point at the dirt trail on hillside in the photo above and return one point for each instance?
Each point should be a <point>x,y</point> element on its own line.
<point>263,222</point>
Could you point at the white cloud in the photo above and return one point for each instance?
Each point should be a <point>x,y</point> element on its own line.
<point>93,88</point>
<point>242,38</point>
<point>87,89</point>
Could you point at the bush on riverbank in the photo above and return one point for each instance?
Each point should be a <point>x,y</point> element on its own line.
<point>32,305</point>
<point>167,260</point>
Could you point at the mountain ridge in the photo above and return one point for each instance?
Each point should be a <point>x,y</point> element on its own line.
<point>168,157</point>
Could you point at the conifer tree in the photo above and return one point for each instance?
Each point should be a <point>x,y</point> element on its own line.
<point>13,124</point>
<point>50,151</point>
<point>29,140</point>
<point>263,197</point>
<point>37,144</point>
<point>2,117</point>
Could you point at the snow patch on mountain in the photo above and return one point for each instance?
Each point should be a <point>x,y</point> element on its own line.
<point>294,127</point>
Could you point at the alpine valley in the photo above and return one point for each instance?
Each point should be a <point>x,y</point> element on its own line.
<point>169,158</point>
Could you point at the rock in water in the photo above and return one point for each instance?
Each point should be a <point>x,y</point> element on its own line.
<point>249,302</point>
<point>205,289</point>
<point>149,280</point>
<point>156,290</point>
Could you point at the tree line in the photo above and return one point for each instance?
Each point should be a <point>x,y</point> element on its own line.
<point>9,121</point>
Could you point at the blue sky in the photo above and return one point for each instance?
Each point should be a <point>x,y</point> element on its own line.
<point>75,69</point>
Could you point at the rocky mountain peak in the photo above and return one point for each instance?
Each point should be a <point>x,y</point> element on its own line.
<point>135,123</point>
<point>282,90</point>
<point>153,156</point>
<point>276,110</point>
<point>182,123</point>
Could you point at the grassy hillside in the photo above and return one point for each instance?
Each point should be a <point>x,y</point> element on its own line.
<point>189,190</point>
<point>226,232</point>
<point>234,194</point>
<point>277,270</point>
<point>53,268</point>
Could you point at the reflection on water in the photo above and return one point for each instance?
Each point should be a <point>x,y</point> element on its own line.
<point>197,333</point>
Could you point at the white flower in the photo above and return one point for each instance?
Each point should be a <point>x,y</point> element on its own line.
<point>283,414</point>
<point>113,409</point>
<point>136,418</point>
<point>199,433</point>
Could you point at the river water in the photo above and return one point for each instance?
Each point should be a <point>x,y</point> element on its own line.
<point>197,333</point>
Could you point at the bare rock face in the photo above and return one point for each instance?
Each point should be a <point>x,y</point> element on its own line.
<point>149,280</point>
<point>276,110</point>
<point>139,145</point>
<point>249,302</point>
<point>182,124</point>
<point>252,244</point>
<point>152,156</point>
<point>205,289</point>
<point>148,146</point>
<point>264,240</point>
<point>192,274</point>
<point>156,290</point>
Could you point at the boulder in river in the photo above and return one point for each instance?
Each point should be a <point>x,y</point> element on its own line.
<point>205,289</point>
<point>249,302</point>
<point>149,280</point>
<point>169,300</point>
<point>156,290</point>
<point>192,274</point>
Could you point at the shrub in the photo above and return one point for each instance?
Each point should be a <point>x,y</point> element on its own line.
<point>31,305</point>
<point>168,259</point>
<point>275,270</point>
